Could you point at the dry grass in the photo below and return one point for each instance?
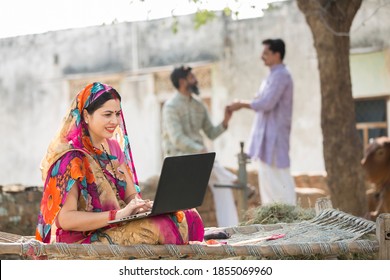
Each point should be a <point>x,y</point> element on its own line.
<point>282,213</point>
<point>278,213</point>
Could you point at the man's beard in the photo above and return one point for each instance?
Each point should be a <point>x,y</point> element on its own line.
<point>194,89</point>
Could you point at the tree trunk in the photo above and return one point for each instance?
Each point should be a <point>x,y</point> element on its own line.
<point>330,23</point>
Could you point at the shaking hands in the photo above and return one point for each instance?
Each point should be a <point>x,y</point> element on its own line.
<point>236,105</point>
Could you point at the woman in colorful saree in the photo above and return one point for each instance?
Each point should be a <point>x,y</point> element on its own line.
<point>89,179</point>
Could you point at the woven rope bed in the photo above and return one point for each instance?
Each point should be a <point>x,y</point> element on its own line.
<point>330,233</point>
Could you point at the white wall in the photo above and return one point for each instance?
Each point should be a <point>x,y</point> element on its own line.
<point>142,113</point>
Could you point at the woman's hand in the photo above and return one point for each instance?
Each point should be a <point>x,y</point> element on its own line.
<point>147,206</point>
<point>135,206</point>
<point>131,208</point>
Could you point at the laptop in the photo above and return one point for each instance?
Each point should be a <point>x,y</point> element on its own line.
<point>182,185</point>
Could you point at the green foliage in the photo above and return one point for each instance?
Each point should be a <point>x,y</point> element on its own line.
<point>175,25</point>
<point>202,17</point>
<point>227,11</point>
<point>273,7</point>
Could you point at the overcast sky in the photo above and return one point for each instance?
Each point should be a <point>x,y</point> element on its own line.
<point>21,17</point>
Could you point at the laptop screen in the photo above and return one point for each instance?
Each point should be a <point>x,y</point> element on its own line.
<point>183,182</point>
<point>182,185</point>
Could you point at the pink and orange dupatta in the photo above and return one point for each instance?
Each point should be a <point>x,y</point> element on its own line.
<point>71,161</point>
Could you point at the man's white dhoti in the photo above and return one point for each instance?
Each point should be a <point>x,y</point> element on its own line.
<point>276,185</point>
<point>225,206</point>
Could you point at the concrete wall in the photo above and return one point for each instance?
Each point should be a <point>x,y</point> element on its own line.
<point>40,73</point>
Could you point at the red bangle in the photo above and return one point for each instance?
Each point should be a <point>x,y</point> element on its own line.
<point>112,215</point>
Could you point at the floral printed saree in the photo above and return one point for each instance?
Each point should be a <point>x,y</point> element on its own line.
<point>72,161</point>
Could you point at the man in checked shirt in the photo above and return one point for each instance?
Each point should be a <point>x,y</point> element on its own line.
<point>184,116</point>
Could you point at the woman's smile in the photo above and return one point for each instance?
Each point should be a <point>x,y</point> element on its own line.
<point>111,129</point>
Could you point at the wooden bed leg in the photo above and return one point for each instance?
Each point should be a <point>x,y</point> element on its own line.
<point>322,204</point>
<point>383,236</point>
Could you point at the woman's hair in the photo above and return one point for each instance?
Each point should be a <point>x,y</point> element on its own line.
<point>99,102</point>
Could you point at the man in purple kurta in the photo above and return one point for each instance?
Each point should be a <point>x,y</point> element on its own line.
<point>270,137</point>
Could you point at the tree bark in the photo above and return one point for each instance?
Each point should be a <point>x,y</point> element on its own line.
<point>330,23</point>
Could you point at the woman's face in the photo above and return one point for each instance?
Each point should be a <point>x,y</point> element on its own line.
<point>103,122</point>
